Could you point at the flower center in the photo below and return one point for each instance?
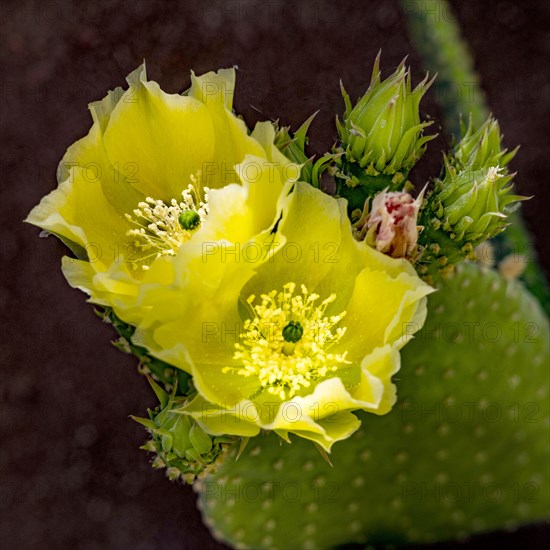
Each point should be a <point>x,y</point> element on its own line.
<point>286,341</point>
<point>162,228</point>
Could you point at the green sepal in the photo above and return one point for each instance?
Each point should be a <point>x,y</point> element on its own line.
<point>78,251</point>
<point>242,447</point>
<point>159,370</point>
<point>149,424</point>
<point>200,440</point>
<point>293,146</point>
<point>162,396</point>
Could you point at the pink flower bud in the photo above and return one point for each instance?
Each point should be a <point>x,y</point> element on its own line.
<point>390,226</point>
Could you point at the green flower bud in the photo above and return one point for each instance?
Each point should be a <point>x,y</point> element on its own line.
<point>180,444</point>
<point>481,148</point>
<point>465,209</point>
<point>474,204</point>
<point>383,132</point>
<point>471,202</point>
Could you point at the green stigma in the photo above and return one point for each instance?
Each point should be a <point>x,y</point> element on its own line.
<point>293,332</point>
<point>189,220</point>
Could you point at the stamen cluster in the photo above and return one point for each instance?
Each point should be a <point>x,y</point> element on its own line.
<point>285,368</point>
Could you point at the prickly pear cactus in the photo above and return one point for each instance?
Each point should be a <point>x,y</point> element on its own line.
<point>464,451</point>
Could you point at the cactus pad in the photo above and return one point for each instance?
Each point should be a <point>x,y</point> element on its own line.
<point>464,451</point>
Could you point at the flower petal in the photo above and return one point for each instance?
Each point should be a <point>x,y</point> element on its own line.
<point>382,310</point>
<point>79,211</point>
<point>159,140</point>
<point>241,420</point>
<point>341,426</point>
<point>232,142</point>
<point>310,218</point>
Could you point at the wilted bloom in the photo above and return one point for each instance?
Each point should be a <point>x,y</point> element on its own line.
<point>155,171</point>
<point>295,342</point>
<point>382,133</point>
<point>391,224</point>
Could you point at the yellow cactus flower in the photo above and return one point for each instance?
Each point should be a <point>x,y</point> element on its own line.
<point>154,170</point>
<point>296,341</point>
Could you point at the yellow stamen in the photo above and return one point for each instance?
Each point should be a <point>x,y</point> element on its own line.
<point>285,368</point>
<point>159,230</point>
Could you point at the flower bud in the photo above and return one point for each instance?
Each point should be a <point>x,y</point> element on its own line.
<point>470,203</point>
<point>383,132</point>
<point>481,148</point>
<point>181,445</point>
<point>473,204</point>
<point>391,224</point>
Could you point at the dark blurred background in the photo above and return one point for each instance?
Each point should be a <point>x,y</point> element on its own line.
<point>71,473</point>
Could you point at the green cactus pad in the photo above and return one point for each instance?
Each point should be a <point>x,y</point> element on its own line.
<point>464,451</point>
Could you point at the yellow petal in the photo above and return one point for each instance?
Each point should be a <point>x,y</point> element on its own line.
<point>380,309</point>
<point>310,218</point>
<point>79,211</point>
<point>232,142</point>
<point>214,87</point>
<point>239,421</point>
<point>159,140</point>
<point>341,426</point>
